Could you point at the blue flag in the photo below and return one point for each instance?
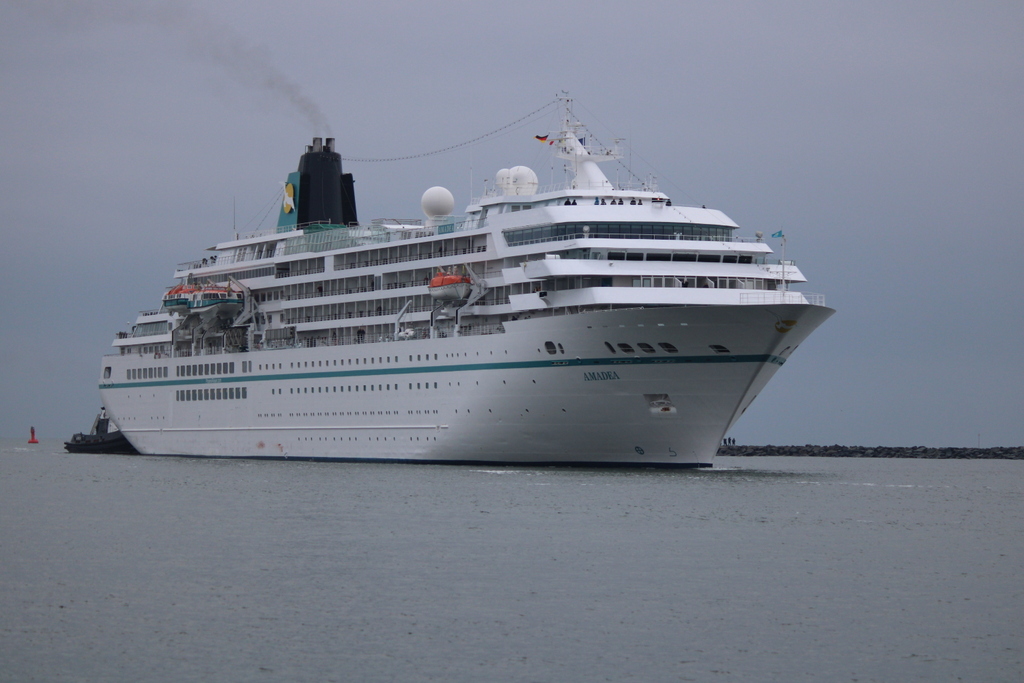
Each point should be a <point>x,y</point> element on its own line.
<point>778,234</point>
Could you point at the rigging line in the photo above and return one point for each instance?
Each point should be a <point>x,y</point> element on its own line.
<point>629,170</point>
<point>461,144</point>
<point>274,200</point>
<point>280,196</point>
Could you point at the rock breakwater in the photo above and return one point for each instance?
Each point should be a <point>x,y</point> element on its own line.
<point>1004,453</point>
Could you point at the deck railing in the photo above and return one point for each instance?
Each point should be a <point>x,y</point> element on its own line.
<point>760,298</point>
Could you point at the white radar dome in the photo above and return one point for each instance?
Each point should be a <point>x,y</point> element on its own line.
<point>522,181</point>
<point>502,180</point>
<point>437,201</point>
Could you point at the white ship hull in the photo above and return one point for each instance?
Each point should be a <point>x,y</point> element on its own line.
<point>498,398</point>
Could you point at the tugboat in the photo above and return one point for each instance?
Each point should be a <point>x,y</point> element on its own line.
<point>104,438</point>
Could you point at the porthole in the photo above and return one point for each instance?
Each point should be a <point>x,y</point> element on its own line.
<point>645,347</point>
<point>550,347</point>
<point>625,348</point>
<point>668,347</point>
<point>718,348</point>
<point>610,347</point>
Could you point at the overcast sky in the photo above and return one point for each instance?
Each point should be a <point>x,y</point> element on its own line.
<point>884,138</point>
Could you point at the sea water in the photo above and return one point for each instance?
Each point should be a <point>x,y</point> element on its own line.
<point>133,568</point>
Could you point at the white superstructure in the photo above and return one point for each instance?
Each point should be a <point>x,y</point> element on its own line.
<point>589,324</point>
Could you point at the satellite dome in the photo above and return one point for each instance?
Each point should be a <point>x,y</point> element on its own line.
<point>437,201</point>
<point>502,180</point>
<point>522,180</point>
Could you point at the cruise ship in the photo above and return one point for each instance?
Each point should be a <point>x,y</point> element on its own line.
<point>589,323</point>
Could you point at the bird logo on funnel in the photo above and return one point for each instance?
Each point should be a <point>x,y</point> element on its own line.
<point>289,198</point>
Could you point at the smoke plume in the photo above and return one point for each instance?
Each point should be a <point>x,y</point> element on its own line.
<point>208,39</point>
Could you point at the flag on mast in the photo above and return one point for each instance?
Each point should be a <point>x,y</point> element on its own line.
<point>778,234</point>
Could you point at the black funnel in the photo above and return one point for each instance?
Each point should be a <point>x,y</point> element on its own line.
<point>327,195</point>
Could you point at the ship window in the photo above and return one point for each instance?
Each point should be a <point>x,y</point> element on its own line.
<point>550,347</point>
<point>626,348</point>
<point>718,348</point>
<point>668,347</point>
<point>684,257</point>
<point>616,256</point>
<point>659,257</point>
<point>709,258</point>
<point>746,259</point>
<point>106,372</point>
<point>633,256</point>
<point>645,347</point>
<point>561,349</point>
<point>244,393</point>
<point>610,347</point>
<point>729,258</point>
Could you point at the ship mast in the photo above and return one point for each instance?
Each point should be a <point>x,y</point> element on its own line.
<point>572,141</point>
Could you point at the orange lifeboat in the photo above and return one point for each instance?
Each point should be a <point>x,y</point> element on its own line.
<point>176,299</point>
<point>449,287</point>
<point>215,299</point>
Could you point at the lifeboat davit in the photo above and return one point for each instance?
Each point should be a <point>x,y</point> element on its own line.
<point>214,299</point>
<point>176,299</point>
<point>449,287</point>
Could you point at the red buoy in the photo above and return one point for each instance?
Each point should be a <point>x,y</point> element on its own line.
<point>33,438</point>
